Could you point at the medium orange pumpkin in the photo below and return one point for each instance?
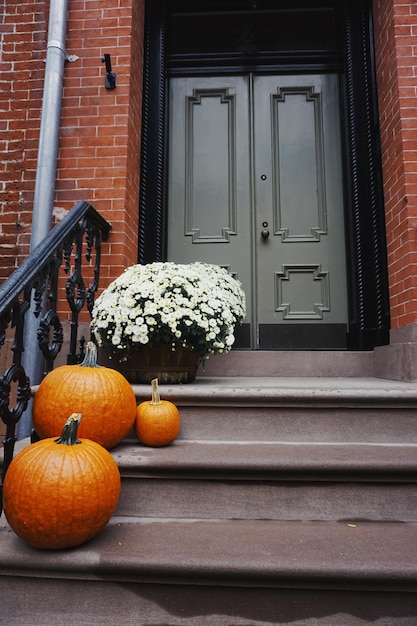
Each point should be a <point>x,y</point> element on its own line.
<point>59,493</point>
<point>157,421</point>
<point>103,396</point>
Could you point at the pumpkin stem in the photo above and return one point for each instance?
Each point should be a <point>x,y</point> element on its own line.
<point>156,398</point>
<point>90,358</point>
<point>69,432</point>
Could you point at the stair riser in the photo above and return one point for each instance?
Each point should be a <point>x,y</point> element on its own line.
<point>227,499</point>
<point>287,363</point>
<point>133,603</point>
<point>299,424</point>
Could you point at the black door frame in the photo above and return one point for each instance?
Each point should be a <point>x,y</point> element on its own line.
<point>369,319</point>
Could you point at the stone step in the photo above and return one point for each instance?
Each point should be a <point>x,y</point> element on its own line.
<point>296,363</point>
<point>217,572</point>
<point>284,500</point>
<point>303,409</point>
<point>278,481</point>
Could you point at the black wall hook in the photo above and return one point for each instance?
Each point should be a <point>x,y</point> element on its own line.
<point>110,80</point>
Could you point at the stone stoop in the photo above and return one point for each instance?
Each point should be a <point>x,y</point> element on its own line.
<point>283,500</point>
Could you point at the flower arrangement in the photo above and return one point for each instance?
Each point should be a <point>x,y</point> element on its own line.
<point>195,306</point>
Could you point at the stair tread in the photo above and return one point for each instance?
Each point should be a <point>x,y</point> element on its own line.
<point>264,459</point>
<point>273,553</point>
<point>230,390</point>
<point>325,551</point>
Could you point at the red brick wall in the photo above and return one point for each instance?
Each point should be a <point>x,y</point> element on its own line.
<point>100,137</point>
<point>23,27</point>
<point>100,129</point>
<point>395,24</point>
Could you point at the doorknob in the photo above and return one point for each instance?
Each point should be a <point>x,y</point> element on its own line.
<point>265,231</point>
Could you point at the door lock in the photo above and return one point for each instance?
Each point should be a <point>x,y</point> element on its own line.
<point>265,231</point>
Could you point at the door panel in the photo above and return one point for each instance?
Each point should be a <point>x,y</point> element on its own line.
<point>255,185</point>
<point>209,201</point>
<point>301,271</point>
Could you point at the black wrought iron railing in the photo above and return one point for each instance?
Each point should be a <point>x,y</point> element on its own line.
<point>72,250</point>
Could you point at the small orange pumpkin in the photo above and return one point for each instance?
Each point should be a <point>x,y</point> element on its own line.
<point>157,421</point>
<point>103,396</point>
<point>59,493</point>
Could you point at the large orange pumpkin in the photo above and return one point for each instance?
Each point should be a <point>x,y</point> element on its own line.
<point>59,493</point>
<point>103,396</point>
<point>157,421</point>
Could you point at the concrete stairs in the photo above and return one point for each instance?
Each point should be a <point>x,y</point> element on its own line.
<point>285,500</point>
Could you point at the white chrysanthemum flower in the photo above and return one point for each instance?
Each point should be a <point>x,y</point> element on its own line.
<point>195,305</point>
<point>150,308</point>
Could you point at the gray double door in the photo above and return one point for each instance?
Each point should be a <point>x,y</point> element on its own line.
<point>255,184</point>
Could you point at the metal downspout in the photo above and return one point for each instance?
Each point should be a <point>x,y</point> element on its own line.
<point>50,122</point>
<point>45,177</point>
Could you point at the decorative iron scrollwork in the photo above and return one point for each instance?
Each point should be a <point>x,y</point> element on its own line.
<point>50,320</point>
<point>5,319</point>
<point>14,373</point>
<point>36,281</point>
<point>75,289</point>
<point>39,284</point>
<point>67,247</point>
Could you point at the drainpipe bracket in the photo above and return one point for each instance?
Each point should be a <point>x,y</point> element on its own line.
<point>53,43</point>
<point>70,58</point>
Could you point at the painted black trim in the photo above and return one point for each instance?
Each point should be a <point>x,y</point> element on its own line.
<point>302,337</point>
<point>151,245</point>
<point>369,319</point>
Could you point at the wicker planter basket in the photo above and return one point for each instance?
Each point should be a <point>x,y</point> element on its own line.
<point>168,366</point>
